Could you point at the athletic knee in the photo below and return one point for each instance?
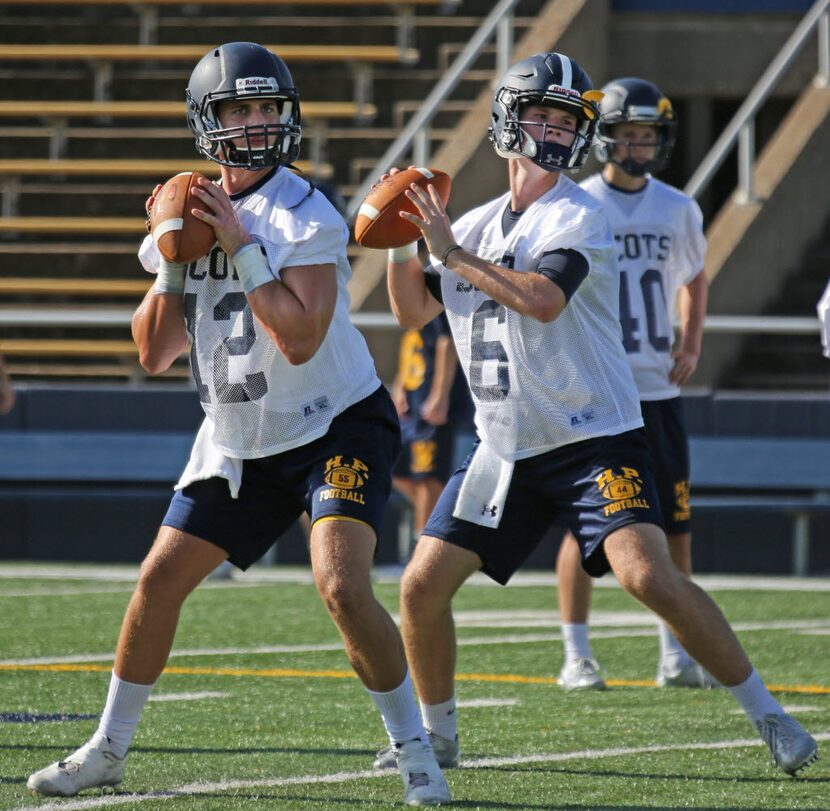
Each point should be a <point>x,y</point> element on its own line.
<point>166,578</point>
<point>342,597</point>
<point>159,582</point>
<point>418,597</point>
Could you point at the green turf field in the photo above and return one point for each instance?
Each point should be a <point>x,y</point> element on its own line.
<point>260,710</point>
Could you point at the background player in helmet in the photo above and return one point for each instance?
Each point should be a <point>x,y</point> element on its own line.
<point>660,248</point>
<point>530,285</point>
<point>296,418</point>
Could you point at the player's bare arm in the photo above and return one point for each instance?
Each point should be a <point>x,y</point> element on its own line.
<point>412,304</point>
<point>692,302</point>
<point>530,294</point>
<point>296,311</point>
<point>158,329</point>
<point>158,325</point>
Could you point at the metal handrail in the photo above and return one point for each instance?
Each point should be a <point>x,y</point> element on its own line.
<point>742,126</point>
<point>416,131</point>
<point>74,315</point>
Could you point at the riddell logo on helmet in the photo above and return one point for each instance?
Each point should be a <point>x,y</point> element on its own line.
<point>556,88</point>
<point>256,84</point>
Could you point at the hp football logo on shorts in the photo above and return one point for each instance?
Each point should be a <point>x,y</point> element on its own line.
<point>622,490</point>
<point>346,476</point>
<point>615,486</point>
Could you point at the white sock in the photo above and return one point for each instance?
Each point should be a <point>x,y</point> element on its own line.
<point>673,656</point>
<point>122,712</point>
<point>441,719</point>
<point>575,639</point>
<point>754,697</point>
<point>400,713</point>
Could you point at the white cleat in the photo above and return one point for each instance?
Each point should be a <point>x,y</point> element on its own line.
<point>423,782</point>
<point>791,747</point>
<point>581,674</point>
<point>447,753</point>
<point>93,765</point>
<point>690,675</point>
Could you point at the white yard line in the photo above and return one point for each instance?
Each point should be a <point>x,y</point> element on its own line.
<point>790,708</point>
<point>487,702</point>
<point>188,696</point>
<point>805,626</point>
<point>390,574</point>
<point>195,789</point>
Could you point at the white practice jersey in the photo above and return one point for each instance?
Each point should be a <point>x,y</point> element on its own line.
<point>256,402</point>
<point>658,233</point>
<point>540,386</point>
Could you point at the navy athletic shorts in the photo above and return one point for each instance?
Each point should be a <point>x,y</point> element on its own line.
<point>592,487</point>
<point>669,446</point>
<point>345,473</point>
<point>427,452</point>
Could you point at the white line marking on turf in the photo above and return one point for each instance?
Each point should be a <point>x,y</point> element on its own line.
<point>188,696</point>
<point>126,589</point>
<point>802,626</point>
<point>790,708</point>
<point>345,777</point>
<point>391,574</point>
<point>185,652</point>
<point>488,702</point>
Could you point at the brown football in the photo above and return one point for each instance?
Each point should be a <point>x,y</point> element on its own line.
<point>378,224</point>
<point>180,237</point>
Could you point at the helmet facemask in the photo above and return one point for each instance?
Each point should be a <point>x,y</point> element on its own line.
<point>515,140</point>
<point>244,72</point>
<point>280,142</point>
<point>618,150</point>
<point>636,101</point>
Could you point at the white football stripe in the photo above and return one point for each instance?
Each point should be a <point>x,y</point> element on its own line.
<point>425,172</point>
<point>173,224</point>
<point>368,211</point>
<point>567,71</point>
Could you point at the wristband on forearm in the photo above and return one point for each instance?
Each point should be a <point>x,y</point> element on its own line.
<point>251,263</point>
<point>170,278</point>
<point>397,256</point>
<point>446,256</point>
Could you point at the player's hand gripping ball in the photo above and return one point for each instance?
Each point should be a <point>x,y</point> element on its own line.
<point>180,237</point>
<point>378,224</point>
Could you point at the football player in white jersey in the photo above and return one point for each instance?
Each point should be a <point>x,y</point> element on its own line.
<point>530,285</point>
<point>660,247</point>
<point>296,418</point>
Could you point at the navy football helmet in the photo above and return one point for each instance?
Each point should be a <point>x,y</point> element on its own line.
<point>636,101</point>
<point>549,79</point>
<point>243,70</point>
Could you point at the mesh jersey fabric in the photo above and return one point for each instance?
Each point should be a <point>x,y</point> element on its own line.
<point>660,246</point>
<point>540,386</point>
<point>258,404</point>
